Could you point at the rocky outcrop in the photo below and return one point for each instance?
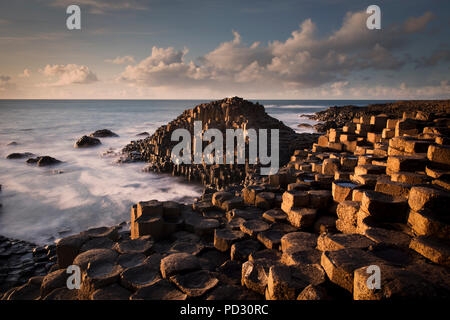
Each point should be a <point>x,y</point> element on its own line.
<point>229,113</point>
<point>86,142</point>
<point>43,161</point>
<point>17,155</point>
<point>103,133</point>
<point>337,117</point>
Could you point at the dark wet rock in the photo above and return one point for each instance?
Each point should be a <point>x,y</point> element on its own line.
<point>313,292</point>
<point>142,245</point>
<point>230,272</point>
<point>103,133</point>
<point>86,142</point>
<point>68,248</point>
<point>145,133</point>
<point>13,143</point>
<point>196,283</point>
<point>178,262</point>
<point>43,161</point>
<point>253,227</point>
<point>19,155</point>
<point>231,292</point>
<point>242,249</point>
<point>188,247</point>
<point>112,292</point>
<point>224,238</point>
<point>97,243</point>
<point>160,290</point>
<point>54,280</point>
<point>140,276</point>
<point>62,294</point>
<point>129,260</point>
<point>93,256</point>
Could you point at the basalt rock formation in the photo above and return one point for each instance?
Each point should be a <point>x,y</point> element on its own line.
<point>337,117</point>
<point>229,113</point>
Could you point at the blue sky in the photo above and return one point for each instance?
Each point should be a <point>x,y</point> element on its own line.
<point>210,49</point>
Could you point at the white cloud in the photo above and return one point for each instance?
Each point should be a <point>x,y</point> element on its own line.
<point>121,60</point>
<point>69,74</point>
<point>304,60</point>
<point>25,74</point>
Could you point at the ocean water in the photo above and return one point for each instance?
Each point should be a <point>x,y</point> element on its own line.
<point>89,189</point>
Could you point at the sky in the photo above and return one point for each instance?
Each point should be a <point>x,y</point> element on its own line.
<point>208,49</point>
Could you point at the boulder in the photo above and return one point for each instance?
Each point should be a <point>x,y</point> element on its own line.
<point>103,133</point>
<point>43,161</point>
<point>86,142</point>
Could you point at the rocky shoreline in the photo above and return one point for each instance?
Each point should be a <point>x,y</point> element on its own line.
<point>337,117</point>
<point>375,190</point>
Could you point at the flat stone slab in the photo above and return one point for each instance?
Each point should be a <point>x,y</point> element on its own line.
<point>94,256</point>
<point>242,249</point>
<point>275,215</point>
<point>141,245</point>
<point>333,242</point>
<point>271,239</point>
<point>299,240</point>
<point>436,250</point>
<point>160,290</point>
<point>178,262</point>
<point>339,265</point>
<point>98,243</point>
<point>112,292</point>
<point>294,257</point>
<point>252,227</point>
<point>188,247</point>
<point>396,283</point>
<point>128,260</point>
<point>224,238</point>
<point>137,277</point>
<point>196,283</point>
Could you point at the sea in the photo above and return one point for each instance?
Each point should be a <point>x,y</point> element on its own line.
<point>89,188</point>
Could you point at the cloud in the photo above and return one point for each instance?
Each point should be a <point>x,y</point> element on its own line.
<point>121,60</point>
<point>416,24</point>
<point>164,67</point>
<point>69,74</point>
<point>304,60</point>
<point>102,6</point>
<point>441,54</point>
<point>25,74</point>
<point>6,84</point>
